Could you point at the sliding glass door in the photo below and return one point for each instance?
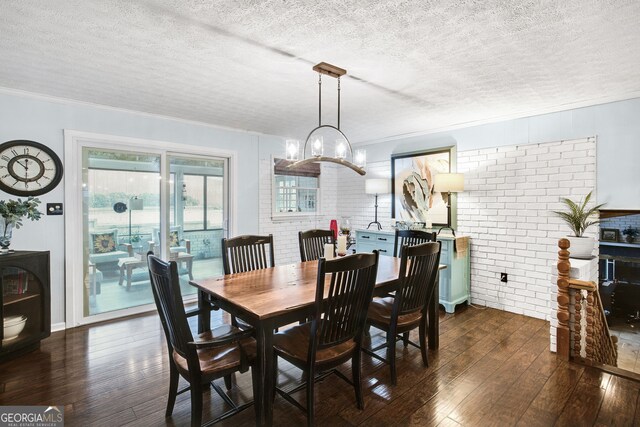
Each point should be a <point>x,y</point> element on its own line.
<point>127,212</point>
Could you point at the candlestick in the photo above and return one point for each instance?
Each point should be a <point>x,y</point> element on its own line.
<point>328,251</point>
<point>342,245</point>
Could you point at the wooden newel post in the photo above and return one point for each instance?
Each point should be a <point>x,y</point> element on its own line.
<point>563,341</point>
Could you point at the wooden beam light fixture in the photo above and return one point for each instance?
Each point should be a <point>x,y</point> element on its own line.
<point>344,154</point>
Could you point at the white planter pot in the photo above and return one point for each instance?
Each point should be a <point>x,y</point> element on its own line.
<point>581,247</point>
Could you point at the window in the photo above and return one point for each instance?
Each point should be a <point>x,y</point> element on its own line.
<point>202,200</point>
<point>295,191</point>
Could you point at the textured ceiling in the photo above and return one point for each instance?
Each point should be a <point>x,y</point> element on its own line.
<point>413,65</point>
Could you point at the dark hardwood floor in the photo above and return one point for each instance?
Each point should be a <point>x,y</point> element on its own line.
<point>493,368</point>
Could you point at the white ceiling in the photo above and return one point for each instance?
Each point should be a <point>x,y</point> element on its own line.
<point>413,65</point>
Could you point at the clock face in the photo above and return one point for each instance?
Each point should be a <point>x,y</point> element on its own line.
<point>28,168</point>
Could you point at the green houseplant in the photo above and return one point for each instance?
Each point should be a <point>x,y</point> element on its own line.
<point>579,217</point>
<point>630,234</point>
<point>11,214</point>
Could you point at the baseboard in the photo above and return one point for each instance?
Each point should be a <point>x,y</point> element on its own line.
<point>55,327</point>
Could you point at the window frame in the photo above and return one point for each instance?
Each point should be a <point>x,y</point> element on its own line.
<point>204,199</point>
<point>274,194</point>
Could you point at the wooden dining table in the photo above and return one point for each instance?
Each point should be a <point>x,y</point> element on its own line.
<point>274,297</point>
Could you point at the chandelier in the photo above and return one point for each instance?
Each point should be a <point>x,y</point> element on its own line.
<point>326,138</point>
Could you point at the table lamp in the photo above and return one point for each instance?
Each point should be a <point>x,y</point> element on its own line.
<point>376,186</point>
<point>447,183</point>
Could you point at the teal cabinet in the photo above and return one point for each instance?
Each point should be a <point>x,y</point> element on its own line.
<point>455,280</point>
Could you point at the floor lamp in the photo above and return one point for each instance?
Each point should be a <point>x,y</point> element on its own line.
<point>376,186</point>
<point>135,204</point>
<point>447,183</point>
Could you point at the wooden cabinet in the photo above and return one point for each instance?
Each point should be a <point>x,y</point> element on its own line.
<point>455,280</point>
<point>25,299</point>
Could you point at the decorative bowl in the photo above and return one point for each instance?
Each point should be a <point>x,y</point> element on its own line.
<point>13,325</point>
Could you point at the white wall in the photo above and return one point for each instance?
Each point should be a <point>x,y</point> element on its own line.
<point>43,120</point>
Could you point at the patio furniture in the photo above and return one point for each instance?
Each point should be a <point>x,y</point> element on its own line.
<point>177,243</point>
<point>104,247</point>
<point>129,264</point>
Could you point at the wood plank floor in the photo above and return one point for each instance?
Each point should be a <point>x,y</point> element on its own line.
<point>493,368</point>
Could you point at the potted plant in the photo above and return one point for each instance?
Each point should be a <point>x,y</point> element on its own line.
<point>630,234</point>
<point>579,217</point>
<point>11,214</point>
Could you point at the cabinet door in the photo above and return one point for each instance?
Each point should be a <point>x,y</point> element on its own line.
<point>22,307</point>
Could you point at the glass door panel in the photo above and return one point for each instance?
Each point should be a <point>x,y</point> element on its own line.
<point>196,224</point>
<point>121,212</point>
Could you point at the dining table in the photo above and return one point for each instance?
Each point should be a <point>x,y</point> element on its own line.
<point>271,298</point>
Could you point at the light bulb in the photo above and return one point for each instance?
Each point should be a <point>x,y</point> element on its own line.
<point>341,149</point>
<point>292,149</point>
<point>317,147</point>
<point>360,158</point>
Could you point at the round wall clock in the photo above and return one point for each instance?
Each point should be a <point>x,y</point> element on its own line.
<point>28,168</point>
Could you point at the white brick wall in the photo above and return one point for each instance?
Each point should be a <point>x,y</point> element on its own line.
<point>285,231</point>
<point>506,209</point>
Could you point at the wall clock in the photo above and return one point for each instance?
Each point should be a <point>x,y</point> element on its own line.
<point>28,168</point>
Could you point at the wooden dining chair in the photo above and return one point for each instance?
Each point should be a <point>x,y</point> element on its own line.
<point>247,253</point>
<point>312,243</point>
<point>214,354</point>
<point>334,335</point>
<point>407,309</point>
<point>411,238</point>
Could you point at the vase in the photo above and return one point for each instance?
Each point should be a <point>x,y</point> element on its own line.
<point>6,231</point>
<point>581,247</point>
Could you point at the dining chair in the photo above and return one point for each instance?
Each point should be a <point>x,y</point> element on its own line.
<point>411,238</point>
<point>407,309</point>
<point>312,243</point>
<point>214,354</point>
<point>334,335</point>
<point>247,253</point>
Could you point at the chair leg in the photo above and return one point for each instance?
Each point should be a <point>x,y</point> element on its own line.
<point>391,355</point>
<point>229,380</point>
<point>275,377</point>
<point>310,398</point>
<point>422,331</point>
<point>196,404</point>
<point>405,339</point>
<point>173,388</point>
<point>356,371</point>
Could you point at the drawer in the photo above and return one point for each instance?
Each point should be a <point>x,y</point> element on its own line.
<point>370,247</point>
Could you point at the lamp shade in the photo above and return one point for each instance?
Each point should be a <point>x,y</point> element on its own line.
<point>376,186</point>
<point>449,183</point>
<point>136,204</point>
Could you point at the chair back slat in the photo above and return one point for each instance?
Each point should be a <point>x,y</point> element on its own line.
<point>312,243</point>
<point>166,294</point>
<point>343,314</point>
<point>418,272</point>
<point>247,253</point>
<point>411,238</point>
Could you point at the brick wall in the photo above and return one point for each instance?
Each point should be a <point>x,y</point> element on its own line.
<point>506,209</point>
<point>622,222</point>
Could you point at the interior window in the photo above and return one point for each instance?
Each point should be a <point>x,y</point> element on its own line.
<point>295,191</point>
